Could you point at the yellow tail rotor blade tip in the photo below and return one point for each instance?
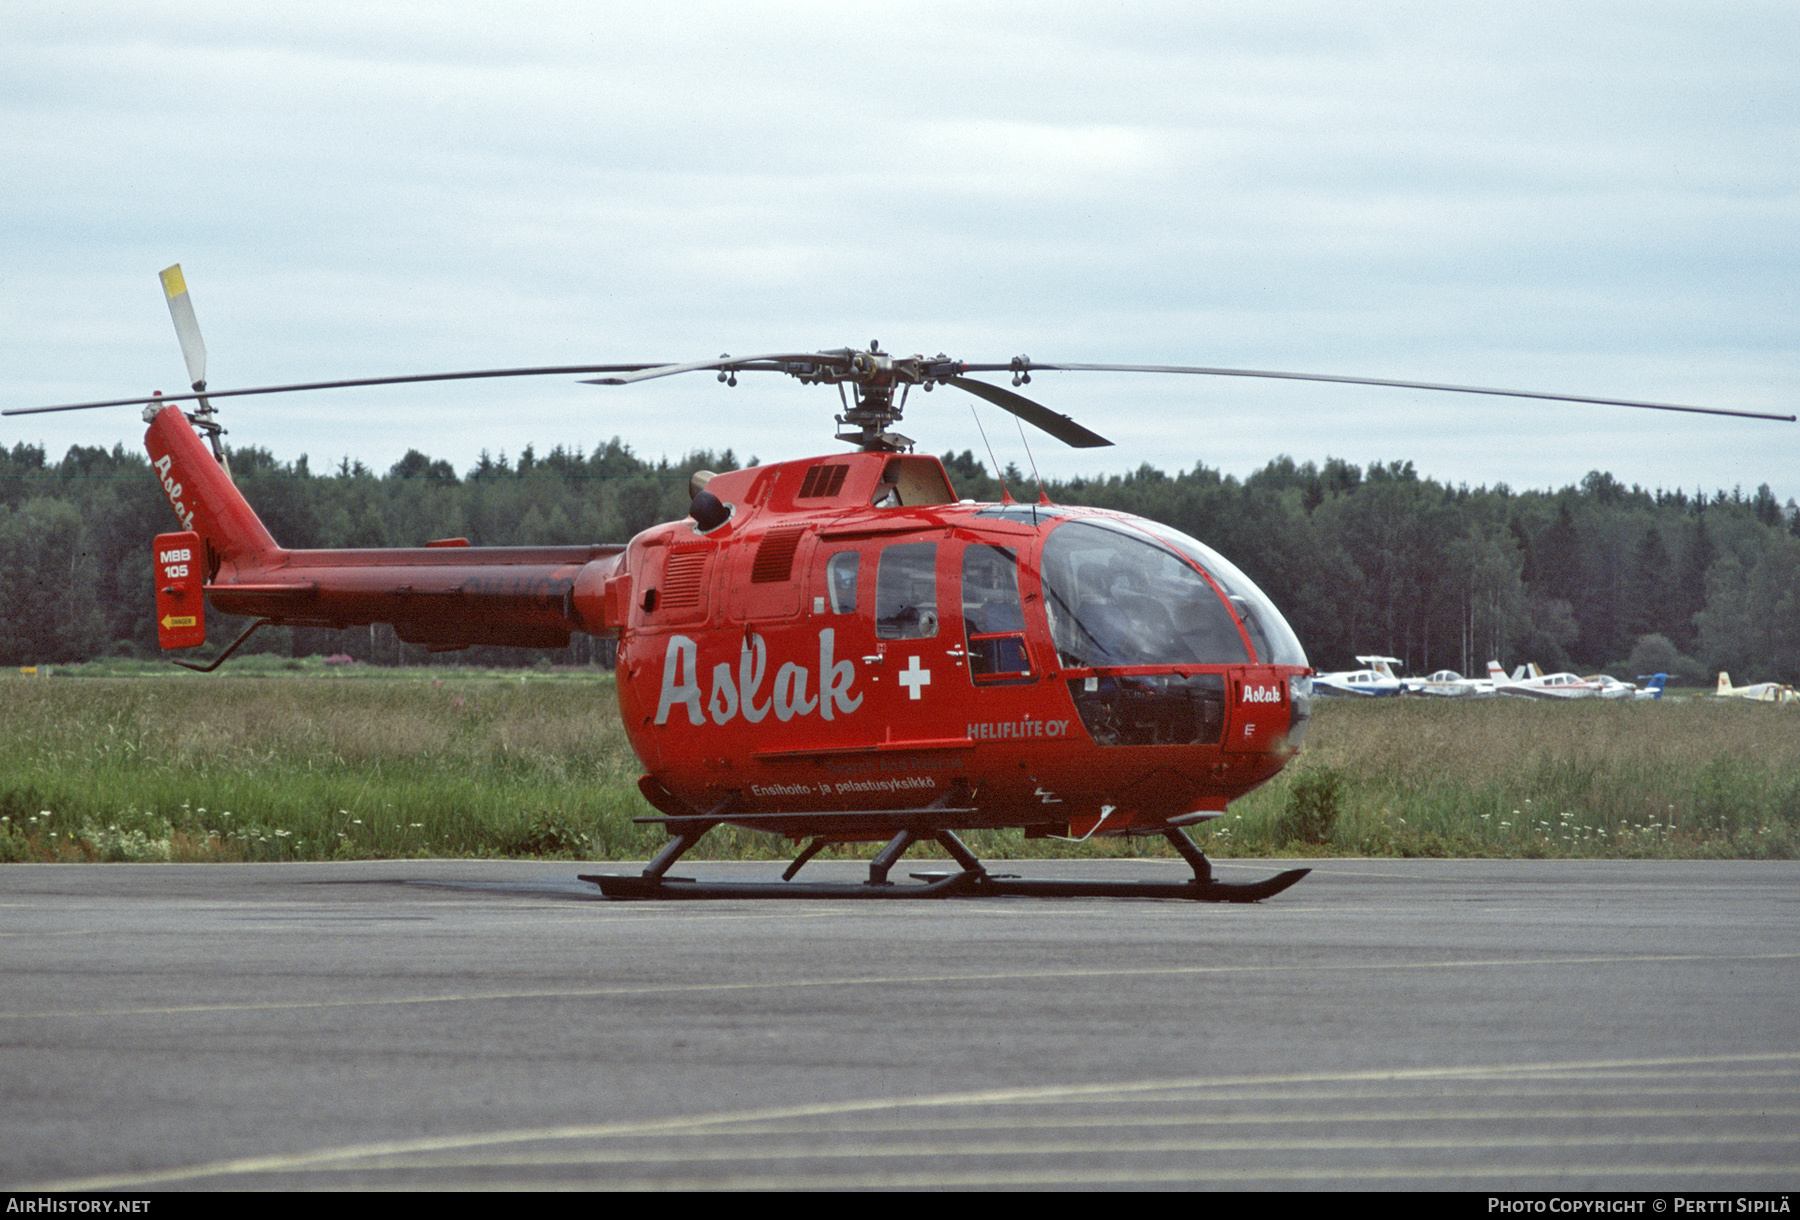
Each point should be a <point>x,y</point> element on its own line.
<point>173,284</point>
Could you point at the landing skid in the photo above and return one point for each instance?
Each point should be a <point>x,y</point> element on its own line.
<point>972,882</point>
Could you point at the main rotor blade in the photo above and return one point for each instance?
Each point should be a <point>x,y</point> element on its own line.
<point>1342,379</point>
<point>772,361</point>
<point>1038,416</point>
<point>477,374</point>
<point>187,329</point>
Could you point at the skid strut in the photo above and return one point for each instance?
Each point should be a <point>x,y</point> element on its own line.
<point>973,881</point>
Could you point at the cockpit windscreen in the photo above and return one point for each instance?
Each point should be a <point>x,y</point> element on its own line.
<point>1115,597</point>
<point>1274,641</point>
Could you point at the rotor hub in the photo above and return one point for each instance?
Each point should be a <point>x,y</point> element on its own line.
<point>870,408</point>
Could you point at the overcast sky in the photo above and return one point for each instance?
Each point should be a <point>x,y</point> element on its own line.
<point>1591,198</point>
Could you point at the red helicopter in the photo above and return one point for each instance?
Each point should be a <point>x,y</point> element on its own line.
<point>835,649</point>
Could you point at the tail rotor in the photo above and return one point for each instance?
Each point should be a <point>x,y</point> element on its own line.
<point>193,350</point>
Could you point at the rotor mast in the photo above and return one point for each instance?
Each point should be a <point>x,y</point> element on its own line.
<point>870,409</point>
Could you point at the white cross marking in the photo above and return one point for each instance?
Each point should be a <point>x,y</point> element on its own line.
<point>912,677</point>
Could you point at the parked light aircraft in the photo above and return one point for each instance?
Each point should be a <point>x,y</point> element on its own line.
<point>1539,685</point>
<point>1448,684</point>
<point>1375,681</point>
<point>1761,692</point>
<point>1612,688</point>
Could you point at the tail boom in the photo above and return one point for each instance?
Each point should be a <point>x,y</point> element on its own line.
<point>443,596</point>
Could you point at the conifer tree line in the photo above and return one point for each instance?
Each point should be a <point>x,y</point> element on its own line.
<point>1372,559</point>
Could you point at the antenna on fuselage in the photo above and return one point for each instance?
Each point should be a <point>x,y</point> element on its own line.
<point>1005,495</point>
<point>1043,496</point>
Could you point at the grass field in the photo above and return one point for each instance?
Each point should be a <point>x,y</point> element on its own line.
<point>276,763</point>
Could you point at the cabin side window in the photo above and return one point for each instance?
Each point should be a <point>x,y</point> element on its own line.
<point>906,604</point>
<point>840,579</point>
<point>993,615</point>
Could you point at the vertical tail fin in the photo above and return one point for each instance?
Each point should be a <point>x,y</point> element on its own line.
<point>1724,683</point>
<point>202,494</point>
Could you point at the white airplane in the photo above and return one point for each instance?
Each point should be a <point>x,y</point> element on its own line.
<point>1540,685</point>
<point>1654,687</point>
<point>1761,692</point>
<point>1448,684</point>
<point>1378,679</point>
<point>1612,688</point>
